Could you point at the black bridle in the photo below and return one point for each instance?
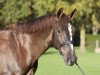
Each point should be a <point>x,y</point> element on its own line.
<point>63,43</point>
<point>67,42</point>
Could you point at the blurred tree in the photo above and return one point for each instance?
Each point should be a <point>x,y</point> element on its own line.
<point>86,8</point>
<point>12,11</point>
<point>96,16</point>
<point>96,26</point>
<point>43,7</point>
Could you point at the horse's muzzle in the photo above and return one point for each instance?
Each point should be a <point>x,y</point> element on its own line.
<point>71,61</point>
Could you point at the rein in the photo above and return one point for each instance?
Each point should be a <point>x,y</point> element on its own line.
<point>80,68</point>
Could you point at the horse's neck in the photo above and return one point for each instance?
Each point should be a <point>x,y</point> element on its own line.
<point>36,43</point>
<point>41,42</point>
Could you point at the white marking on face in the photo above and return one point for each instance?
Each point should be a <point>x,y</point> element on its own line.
<point>70,34</point>
<point>72,46</point>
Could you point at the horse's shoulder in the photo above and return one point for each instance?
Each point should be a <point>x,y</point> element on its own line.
<point>4,39</point>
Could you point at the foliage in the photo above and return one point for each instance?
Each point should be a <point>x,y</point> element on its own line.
<point>85,10</point>
<point>12,11</point>
<point>43,7</point>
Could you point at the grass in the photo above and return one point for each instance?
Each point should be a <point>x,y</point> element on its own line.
<point>51,63</point>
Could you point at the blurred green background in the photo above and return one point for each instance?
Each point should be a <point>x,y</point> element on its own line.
<point>51,63</point>
<point>86,23</point>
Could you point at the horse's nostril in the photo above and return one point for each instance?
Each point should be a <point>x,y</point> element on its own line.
<point>68,59</point>
<point>71,61</point>
<point>74,60</point>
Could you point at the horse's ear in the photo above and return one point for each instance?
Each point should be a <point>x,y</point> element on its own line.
<point>72,14</point>
<point>60,12</point>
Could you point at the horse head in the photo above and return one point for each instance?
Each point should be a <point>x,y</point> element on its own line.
<point>63,34</point>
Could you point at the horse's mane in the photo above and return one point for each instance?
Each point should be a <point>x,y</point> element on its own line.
<point>35,25</point>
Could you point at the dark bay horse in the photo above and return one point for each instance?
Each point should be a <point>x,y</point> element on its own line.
<point>22,44</point>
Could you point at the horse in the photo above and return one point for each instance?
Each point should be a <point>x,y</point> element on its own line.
<point>22,44</point>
